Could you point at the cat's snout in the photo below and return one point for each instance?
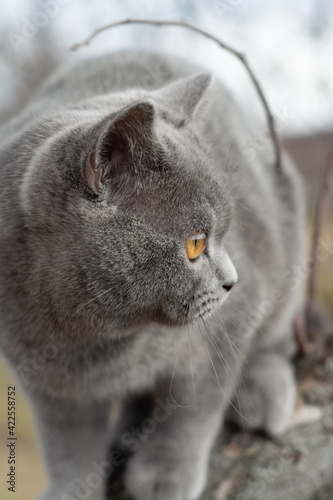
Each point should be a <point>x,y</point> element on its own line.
<point>229,273</point>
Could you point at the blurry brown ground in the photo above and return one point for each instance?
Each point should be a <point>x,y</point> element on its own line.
<point>310,155</point>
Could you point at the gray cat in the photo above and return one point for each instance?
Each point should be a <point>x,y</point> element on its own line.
<point>146,256</point>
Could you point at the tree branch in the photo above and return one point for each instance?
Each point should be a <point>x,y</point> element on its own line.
<point>320,215</point>
<point>300,335</point>
<point>206,34</point>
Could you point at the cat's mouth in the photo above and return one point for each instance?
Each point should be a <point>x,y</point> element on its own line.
<point>193,307</point>
<point>203,305</point>
<point>196,306</point>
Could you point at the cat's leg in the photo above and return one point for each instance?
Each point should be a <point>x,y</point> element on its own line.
<point>172,445</point>
<point>266,395</point>
<point>133,412</point>
<point>75,439</point>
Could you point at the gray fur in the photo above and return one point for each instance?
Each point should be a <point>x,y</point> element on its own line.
<point>98,299</point>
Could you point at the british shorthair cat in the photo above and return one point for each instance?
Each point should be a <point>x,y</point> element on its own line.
<point>145,257</point>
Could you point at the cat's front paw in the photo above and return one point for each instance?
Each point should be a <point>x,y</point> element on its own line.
<point>160,478</point>
<point>266,398</point>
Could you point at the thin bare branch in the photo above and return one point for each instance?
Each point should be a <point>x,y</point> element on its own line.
<point>320,215</point>
<point>236,53</point>
<point>300,334</point>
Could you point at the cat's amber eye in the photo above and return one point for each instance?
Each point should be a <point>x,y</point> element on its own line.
<point>195,245</point>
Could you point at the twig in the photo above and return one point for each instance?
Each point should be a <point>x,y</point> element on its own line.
<point>300,334</point>
<point>236,53</point>
<point>321,211</point>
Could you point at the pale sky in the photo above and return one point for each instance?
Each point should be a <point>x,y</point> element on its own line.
<point>288,43</point>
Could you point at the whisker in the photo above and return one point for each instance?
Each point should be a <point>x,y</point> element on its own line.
<point>222,391</point>
<point>85,304</point>
<point>234,348</point>
<point>225,364</point>
<point>233,344</point>
<point>192,371</point>
<point>173,376</point>
<point>211,340</point>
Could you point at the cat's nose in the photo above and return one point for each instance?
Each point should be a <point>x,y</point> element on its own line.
<point>228,287</point>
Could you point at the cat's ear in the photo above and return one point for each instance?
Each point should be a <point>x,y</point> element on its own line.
<point>119,146</point>
<point>184,96</point>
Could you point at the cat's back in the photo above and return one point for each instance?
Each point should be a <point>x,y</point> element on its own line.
<point>111,73</point>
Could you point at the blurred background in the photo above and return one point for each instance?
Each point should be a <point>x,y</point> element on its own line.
<point>288,44</point>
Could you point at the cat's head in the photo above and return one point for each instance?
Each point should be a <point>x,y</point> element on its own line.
<point>127,213</point>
